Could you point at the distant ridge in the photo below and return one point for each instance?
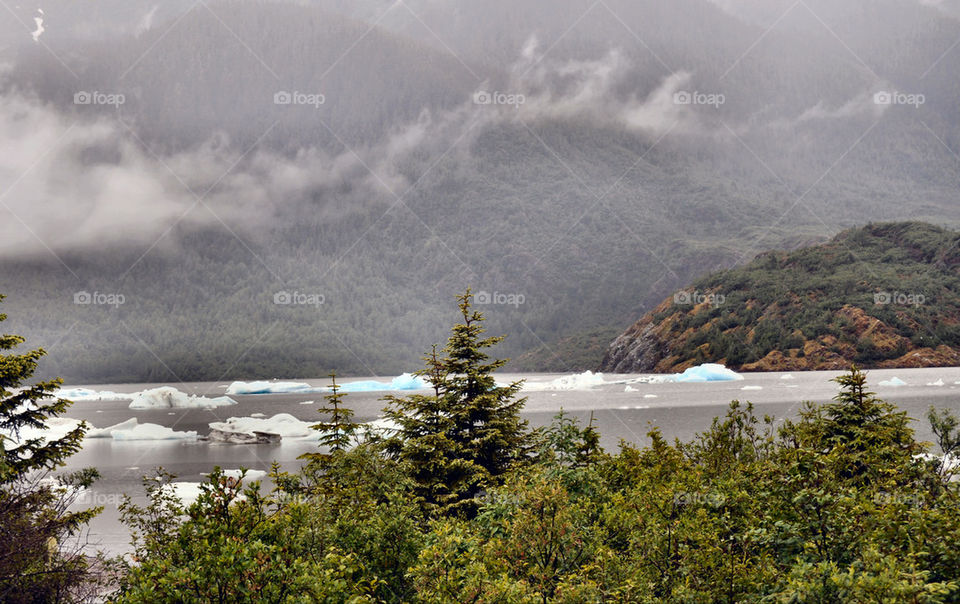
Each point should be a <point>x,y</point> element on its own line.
<point>885,295</point>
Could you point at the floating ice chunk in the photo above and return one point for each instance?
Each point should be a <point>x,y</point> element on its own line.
<point>752,388</point>
<point>406,381</point>
<point>577,381</point>
<point>937,383</point>
<point>786,377</point>
<point>151,432</point>
<point>54,428</point>
<point>649,396</point>
<point>630,389</point>
<point>709,372</point>
<point>170,398</point>
<point>282,424</point>
<point>108,432</point>
<point>892,382</point>
<point>186,492</point>
<point>263,387</point>
<point>79,395</point>
<point>257,415</point>
<point>308,403</point>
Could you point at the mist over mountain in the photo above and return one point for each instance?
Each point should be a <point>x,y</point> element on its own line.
<point>577,161</point>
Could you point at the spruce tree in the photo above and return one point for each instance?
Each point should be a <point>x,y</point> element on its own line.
<point>34,521</point>
<point>339,432</point>
<point>468,433</point>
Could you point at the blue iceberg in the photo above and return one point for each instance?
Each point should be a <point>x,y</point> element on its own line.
<point>708,372</point>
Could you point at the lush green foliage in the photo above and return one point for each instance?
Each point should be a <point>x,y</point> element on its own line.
<point>40,560</point>
<point>468,433</point>
<point>838,505</point>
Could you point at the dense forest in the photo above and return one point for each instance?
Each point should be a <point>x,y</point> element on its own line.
<point>461,501</point>
<point>884,295</point>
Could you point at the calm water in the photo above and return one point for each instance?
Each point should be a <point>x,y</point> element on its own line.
<point>679,410</point>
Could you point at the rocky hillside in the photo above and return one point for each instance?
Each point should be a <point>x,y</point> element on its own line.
<point>885,295</point>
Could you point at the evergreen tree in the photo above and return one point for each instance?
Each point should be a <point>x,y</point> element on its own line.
<point>339,432</point>
<point>35,565</point>
<point>468,433</point>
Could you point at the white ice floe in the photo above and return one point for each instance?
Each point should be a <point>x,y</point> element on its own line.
<point>151,432</point>
<point>709,372</point>
<point>80,395</point>
<point>308,403</point>
<point>577,381</point>
<point>166,397</point>
<point>892,382</point>
<point>630,389</point>
<point>649,396</point>
<point>937,383</point>
<point>108,432</point>
<point>786,377</point>
<point>131,429</point>
<point>54,428</point>
<point>752,388</point>
<point>406,381</point>
<point>282,426</point>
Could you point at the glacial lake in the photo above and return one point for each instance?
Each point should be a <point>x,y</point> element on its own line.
<point>679,410</point>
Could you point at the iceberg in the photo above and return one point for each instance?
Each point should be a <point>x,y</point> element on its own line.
<point>752,388</point>
<point>406,381</point>
<point>937,383</point>
<point>577,381</point>
<point>54,428</point>
<point>630,389</point>
<point>108,432</point>
<point>151,432</point>
<point>708,372</point>
<point>892,382</point>
<point>79,395</point>
<point>268,387</point>
<point>786,377</point>
<point>166,397</point>
<point>248,430</point>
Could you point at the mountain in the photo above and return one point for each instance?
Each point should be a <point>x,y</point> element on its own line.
<point>199,198</point>
<point>884,295</point>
